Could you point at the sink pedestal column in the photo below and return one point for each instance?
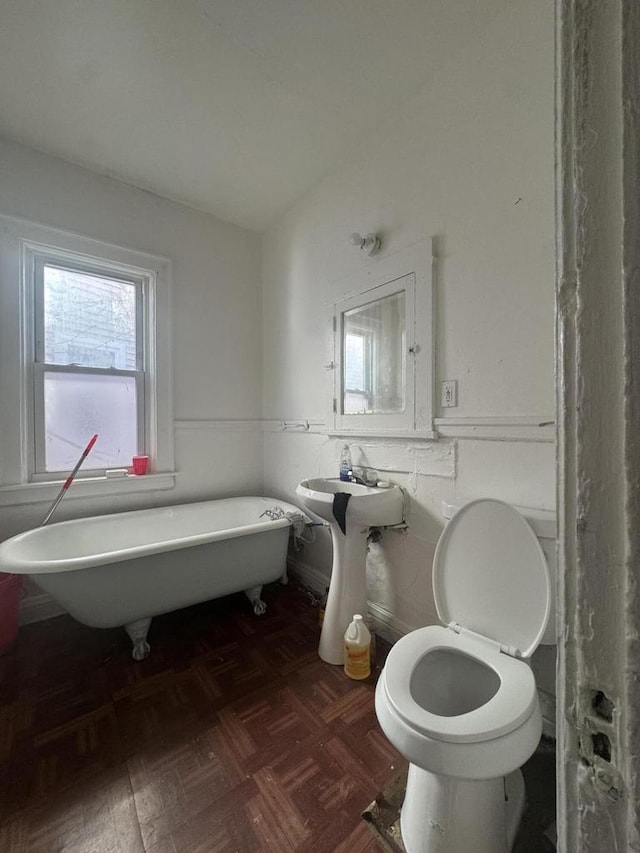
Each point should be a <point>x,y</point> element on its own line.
<point>368,506</point>
<point>347,590</point>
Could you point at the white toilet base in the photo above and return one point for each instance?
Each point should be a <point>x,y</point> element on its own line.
<point>442,814</point>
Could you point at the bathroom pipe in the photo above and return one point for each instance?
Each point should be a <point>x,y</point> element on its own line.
<point>69,480</point>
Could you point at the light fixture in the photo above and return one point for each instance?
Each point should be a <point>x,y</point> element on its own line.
<point>370,245</point>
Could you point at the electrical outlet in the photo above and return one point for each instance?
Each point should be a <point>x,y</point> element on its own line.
<point>449,393</point>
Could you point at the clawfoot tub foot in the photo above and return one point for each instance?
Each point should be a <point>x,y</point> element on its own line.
<point>253,594</point>
<point>137,632</point>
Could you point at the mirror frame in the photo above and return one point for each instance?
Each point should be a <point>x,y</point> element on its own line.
<point>410,270</point>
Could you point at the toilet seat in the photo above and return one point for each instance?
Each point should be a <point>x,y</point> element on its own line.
<point>491,577</point>
<point>512,704</point>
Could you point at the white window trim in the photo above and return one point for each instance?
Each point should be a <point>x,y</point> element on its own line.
<point>35,259</point>
<point>19,240</point>
<point>366,285</point>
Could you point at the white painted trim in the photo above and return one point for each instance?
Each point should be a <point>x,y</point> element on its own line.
<point>543,522</point>
<point>18,237</point>
<point>528,428</point>
<point>386,624</point>
<point>220,425</point>
<point>414,435</point>
<point>88,487</point>
<point>315,427</point>
<point>37,608</point>
<point>535,428</point>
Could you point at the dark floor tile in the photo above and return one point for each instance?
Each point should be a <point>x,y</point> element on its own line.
<point>95,816</point>
<point>158,705</point>
<point>175,779</point>
<point>231,736</point>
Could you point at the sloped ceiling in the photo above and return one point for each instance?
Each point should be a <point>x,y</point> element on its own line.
<point>235,107</point>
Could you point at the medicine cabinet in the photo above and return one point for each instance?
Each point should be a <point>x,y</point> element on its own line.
<point>381,348</point>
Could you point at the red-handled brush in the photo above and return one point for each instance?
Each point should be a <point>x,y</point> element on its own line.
<point>69,480</point>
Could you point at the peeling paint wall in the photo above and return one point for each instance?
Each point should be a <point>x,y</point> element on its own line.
<point>469,159</point>
<point>631,267</point>
<point>598,396</point>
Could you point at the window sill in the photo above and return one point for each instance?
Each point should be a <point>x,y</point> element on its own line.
<point>28,493</point>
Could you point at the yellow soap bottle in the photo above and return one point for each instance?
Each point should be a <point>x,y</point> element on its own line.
<point>357,649</point>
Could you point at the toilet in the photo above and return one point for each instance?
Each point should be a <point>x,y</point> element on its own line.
<point>459,701</point>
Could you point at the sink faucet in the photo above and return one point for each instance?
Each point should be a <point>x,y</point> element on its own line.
<point>364,475</point>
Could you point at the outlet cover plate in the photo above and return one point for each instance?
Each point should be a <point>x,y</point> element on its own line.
<point>449,393</point>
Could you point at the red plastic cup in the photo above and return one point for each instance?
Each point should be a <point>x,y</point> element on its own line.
<point>140,464</point>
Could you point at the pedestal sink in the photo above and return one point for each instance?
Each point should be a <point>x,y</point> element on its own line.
<point>368,506</point>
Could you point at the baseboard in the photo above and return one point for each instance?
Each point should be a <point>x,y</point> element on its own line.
<point>307,576</point>
<point>385,624</point>
<point>37,608</point>
<point>388,626</point>
<point>548,708</point>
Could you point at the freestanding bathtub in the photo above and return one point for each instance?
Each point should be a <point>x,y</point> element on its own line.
<point>125,568</point>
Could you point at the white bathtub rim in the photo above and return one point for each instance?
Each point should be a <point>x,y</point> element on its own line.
<point>13,564</point>
<point>35,567</point>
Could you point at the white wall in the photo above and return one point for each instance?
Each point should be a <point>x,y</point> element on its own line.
<point>470,160</point>
<point>216,322</point>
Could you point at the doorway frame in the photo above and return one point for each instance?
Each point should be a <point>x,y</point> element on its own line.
<point>598,416</point>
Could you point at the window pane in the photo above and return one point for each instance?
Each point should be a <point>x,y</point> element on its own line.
<point>354,378</point>
<point>89,320</point>
<point>77,406</point>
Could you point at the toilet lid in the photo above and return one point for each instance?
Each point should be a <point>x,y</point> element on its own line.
<point>490,576</point>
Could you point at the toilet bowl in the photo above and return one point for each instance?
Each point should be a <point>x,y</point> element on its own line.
<point>460,702</point>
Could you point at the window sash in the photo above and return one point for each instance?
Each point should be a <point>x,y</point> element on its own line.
<point>37,449</point>
<point>38,466</point>
<point>40,261</point>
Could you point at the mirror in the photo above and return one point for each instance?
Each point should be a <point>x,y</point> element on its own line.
<point>374,365</point>
<point>380,348</point>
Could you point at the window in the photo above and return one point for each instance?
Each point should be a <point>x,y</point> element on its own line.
<point>89,365</point>
<point>382,345</point>
<point>90,354</point>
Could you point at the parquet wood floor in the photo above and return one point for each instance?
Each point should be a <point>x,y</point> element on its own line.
<point>232,736</point>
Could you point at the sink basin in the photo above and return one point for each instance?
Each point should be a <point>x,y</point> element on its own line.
<point>368,506</point>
